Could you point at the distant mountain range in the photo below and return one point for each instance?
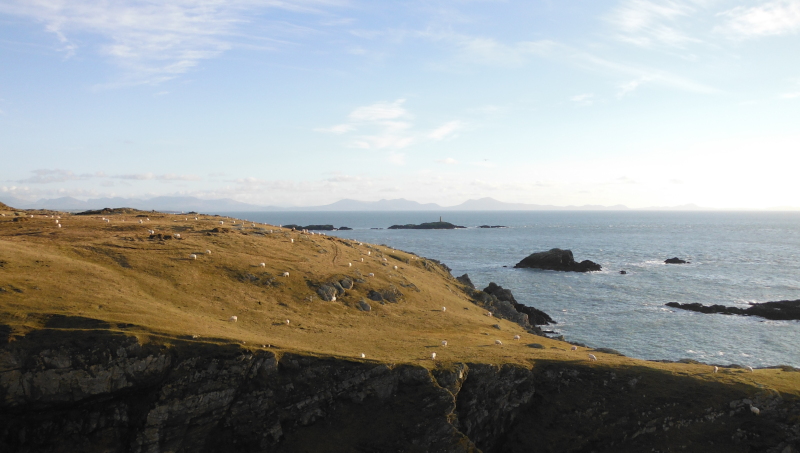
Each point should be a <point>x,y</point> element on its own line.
<point>186,204</point>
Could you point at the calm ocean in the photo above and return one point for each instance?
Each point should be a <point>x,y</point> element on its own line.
<point>736,258</point>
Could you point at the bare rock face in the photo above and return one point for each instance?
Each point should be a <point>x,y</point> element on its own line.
<point>535,316</point>
<point>557,260</point>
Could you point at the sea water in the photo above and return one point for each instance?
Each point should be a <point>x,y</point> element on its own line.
<point>736,258</point>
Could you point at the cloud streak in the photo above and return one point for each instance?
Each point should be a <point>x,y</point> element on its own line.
<point>152,41</point>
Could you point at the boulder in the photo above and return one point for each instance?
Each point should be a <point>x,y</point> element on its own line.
<point>346,283</point>
<point>363,305</point>
<point>675,260</point>
<point>464,279</point>
<point>557,260</point>
<point>326,292</point>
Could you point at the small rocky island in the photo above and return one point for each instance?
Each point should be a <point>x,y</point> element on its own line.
<point>492,226</point>
<point>427,226</point>
<point>675,260</point>
<point>783,310</point>
<point>557,260</point>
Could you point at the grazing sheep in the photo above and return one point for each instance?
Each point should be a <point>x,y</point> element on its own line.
<point>395,267</point>
<point>287,322</point>
<point>386,260</point>
<point>177,236</point>
<point>333,298</point>
<point>755,410</point>
<point>59,225</point>
<point>262,264</point>
<point>517,337</point>
<point>148,219</point>
<point>233,319</point>
<point>489,314</point>
<point>592,357</point>
<point>349,264</point>
<point>498,342</point>
<point>369,253</point>
<point>151,231</point>
<point>444,308</point>
<point>292,241</point>
<point>716,369</point>
<point>208,252</point>
<point>195,336</point>
<point>252,224</point>
<point>195,218</point>
<point>285,274</point>
<point>107,221</point>
<point>362,260</point>
<point>221,222</point>
<point>192,256</point>
<point>363,356</point>
<point>370,274</point>
<point>56,221</point>
<point>433,356</point>
<point>574,348</point>
<point>141,221</point>
<point>750,368</point>
<point>444,342</point>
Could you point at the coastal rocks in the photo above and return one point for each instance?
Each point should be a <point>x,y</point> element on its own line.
<point>784,310</point>
<point>464,279</point>
<point>535,316</point>
<point>492,226</point>
<point>557,260</point>
<point>675,260</point>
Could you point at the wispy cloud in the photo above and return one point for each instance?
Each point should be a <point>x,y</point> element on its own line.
<point>448,161</point>
<point>387,125</point>
<point>770,18</point>
<point>154,177</point>
<point>646,23</point>
<point>583,99</point>
<point>152,41</point>
<point>47,176</point>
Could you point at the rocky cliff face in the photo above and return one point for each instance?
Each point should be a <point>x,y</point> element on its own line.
<point>93,391</point>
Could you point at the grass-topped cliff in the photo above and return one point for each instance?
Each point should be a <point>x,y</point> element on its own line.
<point>90,276</point>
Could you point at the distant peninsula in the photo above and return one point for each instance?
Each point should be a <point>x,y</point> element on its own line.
<point>427,226</point>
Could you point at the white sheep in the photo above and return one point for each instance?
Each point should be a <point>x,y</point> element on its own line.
<point>517,337</point>
<point>195,218</point>
<point>370,274</point>
<point>287,322</point>
<point>349,264</point>
<point>59,225</point>
<point>107,221</point>
<point>222,222</point>
<point>444,342</point>
<point>233,319</point>
<point>208,252</point>
<point>291,240</point>
<point>151,231</point>
<point>489,314</point>
<point>574,348</point>
<point>141,221</point>
<point>177,236</point>
<point>750,368</point>
<point>385,259</point>
<point>333,298</point>
<point>716,369</point>
<point>369,253</point>
<point>444,308</point>
<point>755,410</point>
<point>363,356</point>
<point>395,267</point>
<point>56,221</point>
<point>433,356</point>
<point>262,264</point>
<point>192,256</point>
<point>362,260</point>
<point>148,219</point>
<point>498,342</point>
<point>592,357</point>
<point>285,274</point>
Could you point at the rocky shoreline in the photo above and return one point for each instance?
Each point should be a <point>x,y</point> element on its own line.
<point>784,310</point>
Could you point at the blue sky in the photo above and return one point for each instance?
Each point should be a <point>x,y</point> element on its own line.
<point>304,102</point>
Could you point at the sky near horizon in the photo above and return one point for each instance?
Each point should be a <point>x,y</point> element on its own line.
<point>305,102</point>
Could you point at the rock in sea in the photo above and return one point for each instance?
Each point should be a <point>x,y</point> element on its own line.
<point>557,260</point>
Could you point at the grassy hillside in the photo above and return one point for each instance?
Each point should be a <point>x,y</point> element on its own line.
<point>147,285</point>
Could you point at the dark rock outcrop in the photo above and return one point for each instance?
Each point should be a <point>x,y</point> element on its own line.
<point>464,279</point>
<point>535,316</point>
<point>675,260</point>
<point>492,226</point>
<point>557,260</point>
<point>783,310</point>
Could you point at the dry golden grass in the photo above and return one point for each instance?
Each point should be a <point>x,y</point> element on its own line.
<point>113,271</point>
